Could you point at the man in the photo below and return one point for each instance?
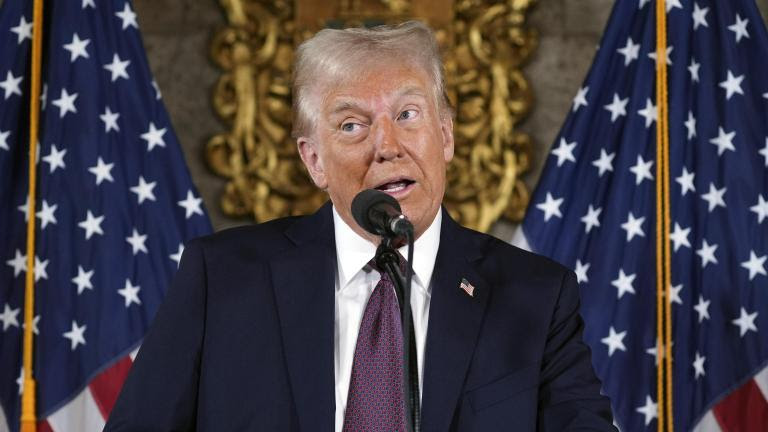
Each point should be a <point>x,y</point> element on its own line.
<point>278,326</point>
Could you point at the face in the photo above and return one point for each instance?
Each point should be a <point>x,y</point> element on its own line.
<point>381,131</point>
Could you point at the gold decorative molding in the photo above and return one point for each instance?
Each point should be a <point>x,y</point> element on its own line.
<point>485,44</point>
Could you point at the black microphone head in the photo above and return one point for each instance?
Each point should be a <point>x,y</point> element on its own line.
<point>364,201</point>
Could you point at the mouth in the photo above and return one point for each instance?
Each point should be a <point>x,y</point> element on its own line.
<point>396,187</point>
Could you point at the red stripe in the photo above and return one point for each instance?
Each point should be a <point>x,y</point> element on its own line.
<point>744,410</point>
<point>43,426</point>
<point>106,386</point>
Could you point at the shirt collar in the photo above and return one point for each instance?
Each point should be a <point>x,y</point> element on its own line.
<point>353,252</point>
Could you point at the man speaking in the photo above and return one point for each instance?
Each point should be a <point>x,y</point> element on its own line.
<point>291,325</point>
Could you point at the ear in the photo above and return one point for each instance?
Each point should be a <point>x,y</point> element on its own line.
<point>446,127</point>
<point>310,155</point>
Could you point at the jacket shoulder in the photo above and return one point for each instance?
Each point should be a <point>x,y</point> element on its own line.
<point>260,240</point>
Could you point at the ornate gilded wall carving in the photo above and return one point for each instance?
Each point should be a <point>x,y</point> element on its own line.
<point>485,44</point>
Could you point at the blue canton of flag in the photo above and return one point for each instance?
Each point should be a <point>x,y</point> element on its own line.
<point>116,203</point>
<point>594,208</point>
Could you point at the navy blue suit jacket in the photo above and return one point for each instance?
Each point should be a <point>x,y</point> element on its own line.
<point>244,339</point>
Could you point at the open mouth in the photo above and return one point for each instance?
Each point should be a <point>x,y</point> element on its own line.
<point>395,185</point>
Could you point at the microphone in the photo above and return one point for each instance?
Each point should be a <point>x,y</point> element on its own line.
<point>380,214</point>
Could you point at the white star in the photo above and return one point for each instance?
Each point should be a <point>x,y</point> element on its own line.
<point>23,30</point>
<point>614,341</point>
<point>633,226</point>
<point>714,197</point>
<point>746,322</point>
<point>76,336</point>
<point>143,190</point>
<point>110,120</point>
<point>4,140</point>
<point>686,181</point>
<point>650,410</point>
<point>158,95</point>
<point>590,219</point>
<point>18,262</point>
<point>20,381</point>
<point>581,271</point>
<point>564,152</point>
<point>66,103</point>
<point>761,209</point>
<point>624,283</point>
<point>698,365</point>
<point>631,51</point>
<point>654,351</point>
<point>35,321</point>
<point>102,171</point>
<point>699,16</point>
<point>41,267</point>
<point>667,57</point>
<point>618,107</point>
<point>118,67</point>
<point>9,317</point>
<point>87,3</point>
<point>46,214</point>
<point>674,294</point>
<point>76,48</point>
<point>550,207</point>
<point>755,265</point>
<point>11,85</point>
<point>680,237</point>
<point>91,225</point>
<point>580,99</point>
<point>44,96</point>
<point>130,293</point>
<point>137,242</point>
<point>673,4</point>
<point>732,85</point>
<point>177,256</point>
<point>723,141</point>
<point>642,170</point>
<point>690,124</point>
<point>649,112</point>
<point>24,208</point>
<point>127,16</point>
<point>55,158</point>
<point>83,280</point>
<point>693,68</point>
<point>707,253</point>
<point>642,3</point>
<point>154,137</point>
<point>604,163</point>
<point>764,150</point>
<point>739,28</point>
<point>702,308</point>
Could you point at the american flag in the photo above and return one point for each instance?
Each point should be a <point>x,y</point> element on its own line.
<point>594,210</point>
<point>115,206</point>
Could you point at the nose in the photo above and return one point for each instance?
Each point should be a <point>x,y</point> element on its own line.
<point>386,143</point>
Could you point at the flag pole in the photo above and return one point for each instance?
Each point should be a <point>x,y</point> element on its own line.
<point>28,399</point>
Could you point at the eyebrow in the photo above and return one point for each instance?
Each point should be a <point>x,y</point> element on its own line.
<point>350,104</point>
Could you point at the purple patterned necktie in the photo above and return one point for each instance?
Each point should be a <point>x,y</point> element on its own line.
<point>375,401</point>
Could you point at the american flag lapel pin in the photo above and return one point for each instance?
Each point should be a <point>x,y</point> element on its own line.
<point>467,287</point>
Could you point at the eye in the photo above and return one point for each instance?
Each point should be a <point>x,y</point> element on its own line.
<point>350,127</point>
<point>408,114</point>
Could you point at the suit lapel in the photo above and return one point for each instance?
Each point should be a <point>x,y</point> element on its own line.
<point>303,280</point>
<point>454,322</point>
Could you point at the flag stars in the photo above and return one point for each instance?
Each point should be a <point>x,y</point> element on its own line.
<point>18,262</point>
<point>693,69</point>
<point>745,322</point>
<point>177,256</point>
<point>83,280</point>
<point>650,410</point>
<point>154,137</point>
<point>47,214</point>
<point>35,321</point>
<point>739,28</point>
<point>707,253</point>
<point>761,209</point>
<point>679,237</point>
<point>674,294</point>
<point>764,150</point>
<point>591,218</point>
<point>667,54</point>
<point>41,267</point>
<point>699,16</point>
<point>614,341</point>
<point>580,99</point>
<point>673,4</point>
<point>130,293</point>
<point>118,68</point>
<point>686,181</point>
<point>191,204</point>
<point>91,225</point>
<point>55,158</point>
<point>77,48</point>
<point>698,365</point>
<point>102,171</point>
<point>723,141</point>
<point>137,242</point>
<point>110,120</point>
<point>714,197</point>
<point>24,208</point>
<point>11,85</point>
<point>624,283</point>
<point>630,51</point>
<point>156,87</point>
<point>604,163</point>
<point>654,351</point>
<point>20,381</point>
<point>702,308</point>
<point>550,207</point>
<point>76,335</point>
<point>4,139</point>
<point>581,271</point>
<point>66,103</point>
<point>690,125</point>
<point>732,85</point>
<point>633,226</point>
<point>642,170</point>
<point>127,16</point>
<point>88,3</point>
<point>650,113</point>
<point>564,152</point>
<point>23,30</point>
<point>144,190</point>
<point>618,107</point>
<point>9,317</point>
<point>755,265</point>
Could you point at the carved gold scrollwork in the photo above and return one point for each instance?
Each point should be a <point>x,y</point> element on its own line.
<point>485,43</point>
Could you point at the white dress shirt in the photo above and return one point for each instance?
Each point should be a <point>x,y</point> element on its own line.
<point>355,281</point>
